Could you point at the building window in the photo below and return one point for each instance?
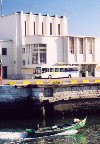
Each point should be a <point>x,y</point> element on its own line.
<point>34,28</point>
<point>80,45</point>
<point>38,53</point>
<point>90,44</point>
<point>42,45</point>
<point>34,58</point>
<point>34,45</point>
<point>23,62</point>
<point>42,28</point>
<point>71,45</point>
<point>25,28</point>
<point>50,28</point>
<point>58,29</point>
<point>28,61</point>
<point>4,51</point>
<point>23,50</point>
<point>42,58</point>
<point>42,53</point>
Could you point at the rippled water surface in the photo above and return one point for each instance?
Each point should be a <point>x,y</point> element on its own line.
<point>10,131</point>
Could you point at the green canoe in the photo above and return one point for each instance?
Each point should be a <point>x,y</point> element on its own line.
<point>47,131</point>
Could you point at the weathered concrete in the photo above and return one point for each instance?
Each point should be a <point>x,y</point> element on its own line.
<point>12,93</point>
<point>45,99</point>
<point>77,97</point>
<point>54,93</point>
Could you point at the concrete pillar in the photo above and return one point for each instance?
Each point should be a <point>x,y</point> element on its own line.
<point>49,108</point>
<point>39,24</point>
<point>64,26</point>
<point>55,25</point>
<point>30,24</point>
<point>47,32</point>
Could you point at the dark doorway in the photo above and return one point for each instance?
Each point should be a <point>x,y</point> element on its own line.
<point>4,71</point>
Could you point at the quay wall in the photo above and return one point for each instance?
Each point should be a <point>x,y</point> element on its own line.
<point>14,102</point>
<point>65,92</point>
<point>69,98</point>
<point>12,93</point>
<point>29,99</point>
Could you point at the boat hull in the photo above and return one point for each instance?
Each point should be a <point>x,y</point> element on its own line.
<point>54,131</point>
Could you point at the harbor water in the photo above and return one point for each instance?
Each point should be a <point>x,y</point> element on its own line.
<point>11,130</point>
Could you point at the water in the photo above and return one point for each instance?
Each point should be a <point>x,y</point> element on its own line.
<point>10,131</point>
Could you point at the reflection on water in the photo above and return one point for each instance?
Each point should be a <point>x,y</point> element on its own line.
<point>8,137</point>
<point>10,131</point>
<point>72,139</point>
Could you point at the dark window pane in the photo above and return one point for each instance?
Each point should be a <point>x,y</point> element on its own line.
<point>4,51</point>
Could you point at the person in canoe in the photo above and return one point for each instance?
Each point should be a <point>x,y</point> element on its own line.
<point>76,120</point>
<point>38,128</point>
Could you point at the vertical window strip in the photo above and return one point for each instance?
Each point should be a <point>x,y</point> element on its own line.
<point>25,28</point>
<point>50,28</point>
<point>89,40</point>
<point>80,45</point>
<point>42,29</point>
<point>34,28</point>
<point>58,29</point>
<point>71,45</point>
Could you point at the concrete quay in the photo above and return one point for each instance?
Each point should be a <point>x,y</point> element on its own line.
<point>63,81</point>
<point>49,95</point>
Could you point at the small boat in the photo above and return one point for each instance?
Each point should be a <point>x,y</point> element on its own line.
<point>55,130</point>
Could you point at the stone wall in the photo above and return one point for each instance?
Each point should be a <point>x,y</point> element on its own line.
<point>77,91</point>
<point>32,99</point>
<point>12,93</point>
<point>14,102</point>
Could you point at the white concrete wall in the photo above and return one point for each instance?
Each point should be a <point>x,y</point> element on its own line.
<point>97,50</point>
<point>10,29</point>
<point>54,47</point>
<point>46,19</point>
<point>7,60</point>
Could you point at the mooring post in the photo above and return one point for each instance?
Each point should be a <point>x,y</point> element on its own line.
<point>48,108</point>
<point>43,110</point>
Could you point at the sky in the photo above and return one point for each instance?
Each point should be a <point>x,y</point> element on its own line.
<point>83,15</point>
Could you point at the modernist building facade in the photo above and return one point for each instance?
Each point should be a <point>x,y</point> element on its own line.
<point>34,39</point>
<point>83,51</point>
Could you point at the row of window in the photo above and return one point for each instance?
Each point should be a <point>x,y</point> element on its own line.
<point>42,28</point>
<point>72,44</point>
<point>34,47</point>
<point>37,52</point>
<point>36,58</point>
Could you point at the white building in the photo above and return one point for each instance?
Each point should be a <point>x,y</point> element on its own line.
<point>35,39</point>
<point>28,31</point>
